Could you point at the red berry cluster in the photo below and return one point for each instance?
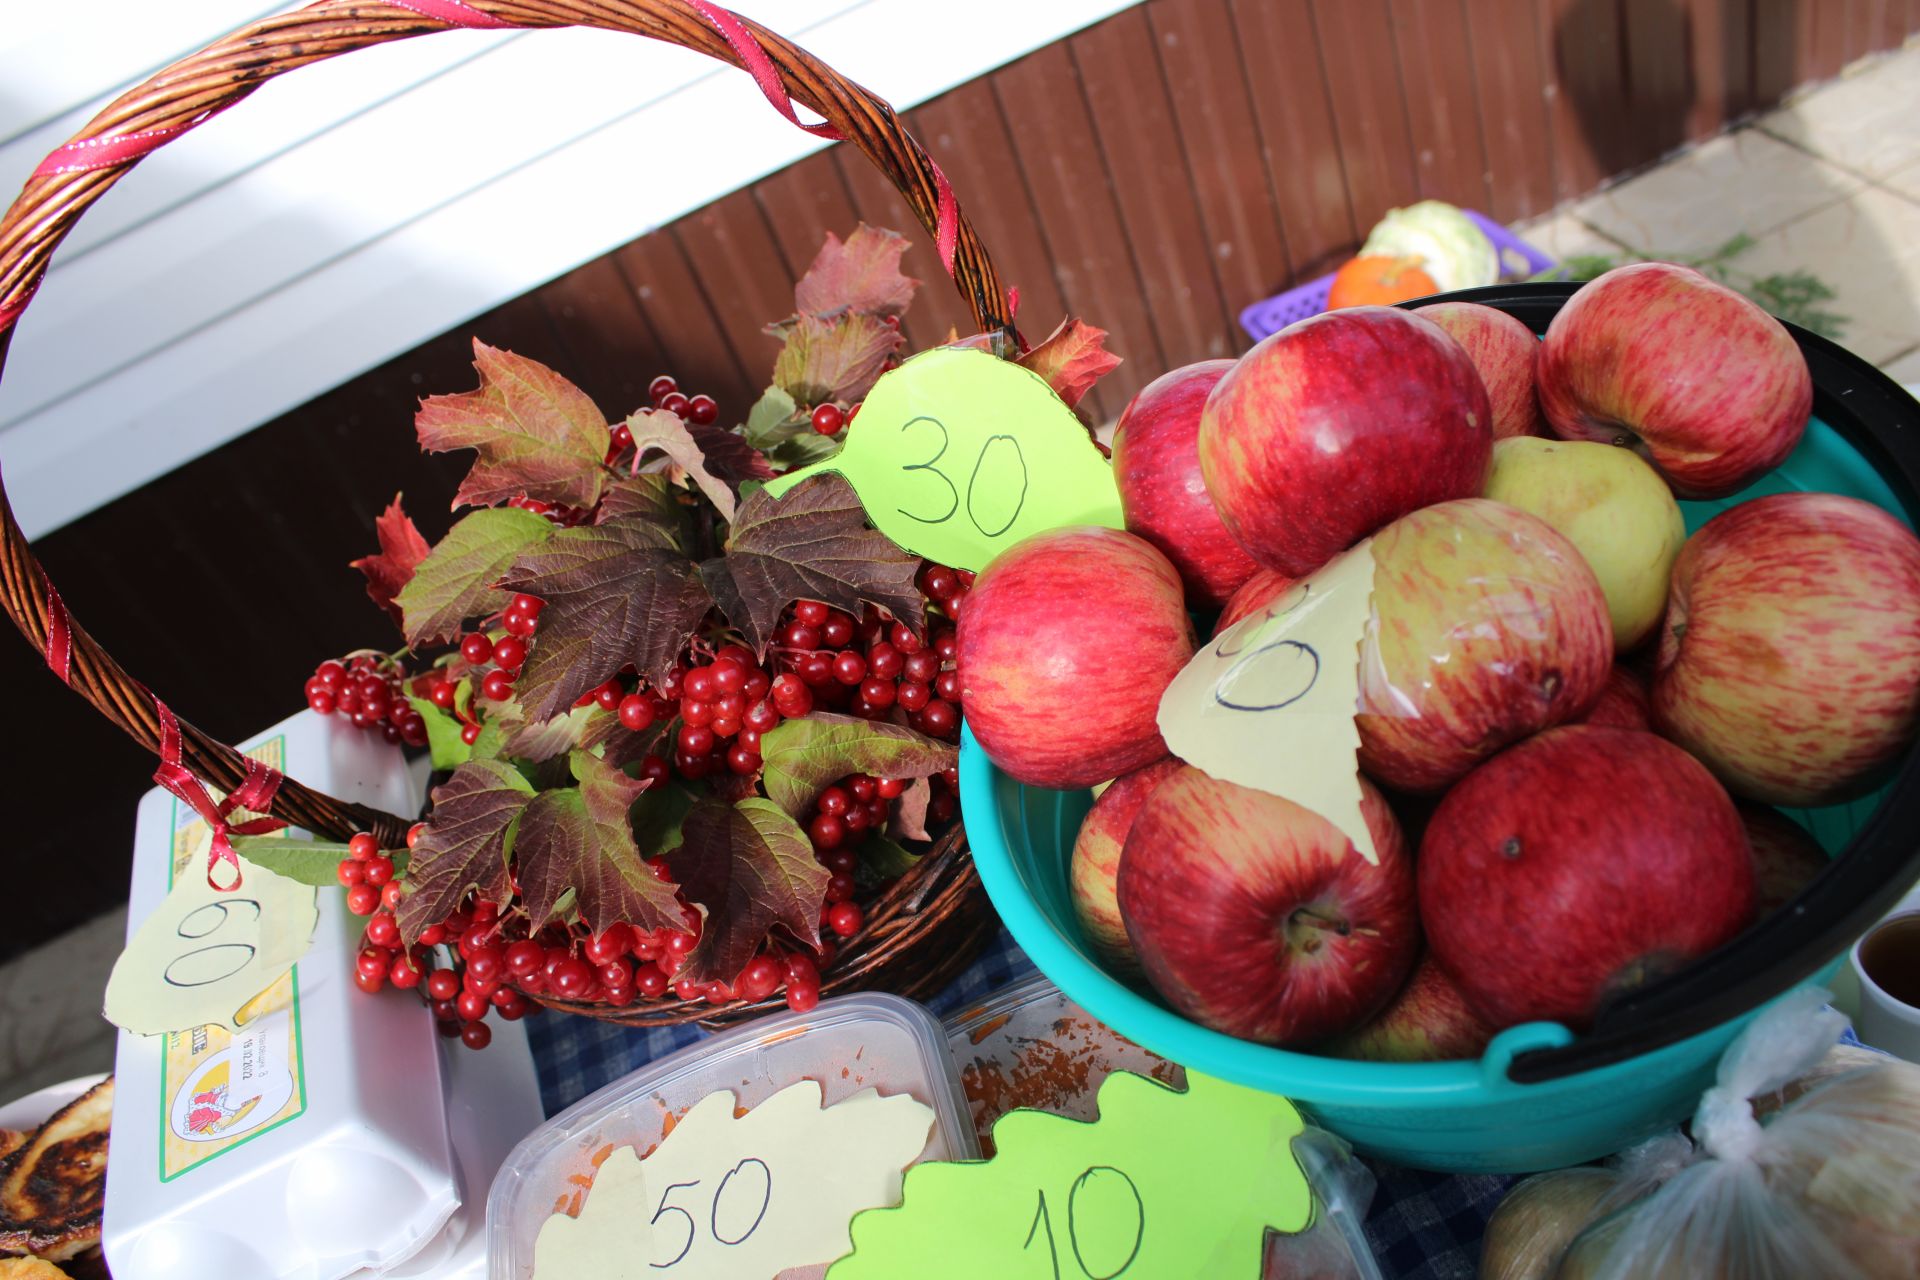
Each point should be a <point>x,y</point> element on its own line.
<point>495,661</point>
<point>665,393</point>
<point>366,689</point>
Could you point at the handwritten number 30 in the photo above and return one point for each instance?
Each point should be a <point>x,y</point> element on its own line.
<point>995,448</point>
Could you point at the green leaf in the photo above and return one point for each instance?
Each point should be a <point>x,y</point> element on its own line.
<point>804,450</point>
<point>536,433</point>
<point>799,758</point>
<point>443,735</point>
<point>772,418</point>
<point>465,845</point>
<point>615,594</point>
<point>835,360</point>
<point>314,862</point>
<point>860,274</point>
<point>751,867</point>
<point>575,848</point>
<point>881,862</point>
<point>657,816</point>
<point>457,579</point>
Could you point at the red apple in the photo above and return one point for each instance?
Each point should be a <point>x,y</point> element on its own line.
<point>1487,626</point>
<point>1429,1021</point>
<point>1710,388</point>
<point>1790,657</point>
<point>1579,865</point>
<point>1156,464</point>
<point>1068,640</point>
<point>1624,702</point>
<point>1338,425</point>
<point>1503,351</point>
<point>1094,867</point>
<point>1255,594</point>
<point>1786,857</point>
<point>1256,917</point>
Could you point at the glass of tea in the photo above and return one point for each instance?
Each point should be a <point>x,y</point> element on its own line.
<point>1888,962</point>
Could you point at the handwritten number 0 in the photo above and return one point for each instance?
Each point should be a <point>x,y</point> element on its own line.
<point>973,481</point>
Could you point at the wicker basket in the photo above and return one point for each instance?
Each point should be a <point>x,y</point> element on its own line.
<point>929,923</point>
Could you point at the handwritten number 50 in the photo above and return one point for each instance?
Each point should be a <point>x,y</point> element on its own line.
<point>1043,1219</point>
<point>713,1216</point>
<point>1000,458</point>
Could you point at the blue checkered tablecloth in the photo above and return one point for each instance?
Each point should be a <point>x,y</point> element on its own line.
<point>1423,1226</point>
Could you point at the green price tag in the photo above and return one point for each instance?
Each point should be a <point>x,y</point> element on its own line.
<point>958,454</point>
<point>1163,1184</point>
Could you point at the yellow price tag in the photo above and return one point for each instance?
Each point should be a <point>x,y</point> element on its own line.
<point>958,454</point>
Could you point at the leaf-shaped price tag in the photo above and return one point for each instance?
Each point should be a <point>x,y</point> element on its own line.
<point>1164,1183</point>
<point>536,433</point>
<point>576,841</point>
<point>725,1196</point>
<point>458,579</point>
<point>1269,702</point>
<point>958,454</point>
<point>465,844</point>
<point>751,867</point>
<point>800,757</point>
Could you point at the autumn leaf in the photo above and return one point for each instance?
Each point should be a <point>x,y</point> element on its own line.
<point>728,454</point>
<point>751,867</point>
<point>465,845</point>
<point>812,544</point>
<point>773,419</point>
<point>861,273</point>
<point>800,757</point>
<point>458,578</point>
<point>656,430</point>
<point>536,433</point>
<point>833,360</point>
<point>648,496</point>
<point>908,818</point>
<point>1072,359</point>
<point>401,550</point>
<point>575,846</point>
<point>616,593</point>
<point>882,860</point>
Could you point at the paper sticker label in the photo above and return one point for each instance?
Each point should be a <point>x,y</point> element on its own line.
<point>958,454</point>
<point>1269,702</point>
<point>1164,1183</point>
<point>723,1197</point>
<point>219,1090</point>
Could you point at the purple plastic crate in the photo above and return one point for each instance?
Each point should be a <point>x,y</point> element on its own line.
<point>1517,259</point>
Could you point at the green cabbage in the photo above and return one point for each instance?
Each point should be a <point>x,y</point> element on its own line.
<point>1452,250</point>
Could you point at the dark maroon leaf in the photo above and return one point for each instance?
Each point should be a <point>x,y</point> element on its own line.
<point>465,844</point>
<point>813,544</point>
<point>648,496</point>
<point>728,454</point>
<point>861,273</point>
<point>616,593</point>
<point>1072,359</point>
<point>751,867</point>
<point>401,550</point>
<point>536,433</point>
<point>575,848</point>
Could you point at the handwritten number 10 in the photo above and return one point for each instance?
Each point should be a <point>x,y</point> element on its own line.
<point>1006,455</point>
<point>1043,1218</point>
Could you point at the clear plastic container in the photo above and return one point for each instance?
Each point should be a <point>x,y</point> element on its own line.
<point>1028,1045</point>
<point>851,1043</point>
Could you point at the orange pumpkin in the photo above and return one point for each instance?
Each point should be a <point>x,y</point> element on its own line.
<point>1379,279</point>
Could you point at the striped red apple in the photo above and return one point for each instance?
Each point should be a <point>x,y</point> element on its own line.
<point>1093,869</point>
<point>1503,351</point>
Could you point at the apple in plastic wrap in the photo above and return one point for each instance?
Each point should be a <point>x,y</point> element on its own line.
<point>1487,626</point>
<point>1790,657</point>
<point>1258,918</point>
<point>1712,389</point>
<point>1503,351</point>
<point>1610,504</point>
<point>1068,639</point>
<point>1093,869</point>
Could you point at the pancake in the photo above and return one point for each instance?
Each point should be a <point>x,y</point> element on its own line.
<point>53,1186</point>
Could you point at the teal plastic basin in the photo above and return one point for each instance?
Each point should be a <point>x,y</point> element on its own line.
<point>1461,1116</point>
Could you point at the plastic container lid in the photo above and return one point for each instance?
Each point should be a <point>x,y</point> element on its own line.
<point>850,1043</point>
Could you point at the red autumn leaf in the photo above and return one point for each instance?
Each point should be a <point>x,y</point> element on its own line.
<point>577,841</point>
<point>908,821</point>
<point>728,454</point>
<point>833,360</point>
<point>861,273</point>
<point>751,867</point>
<point>401,549</point>
<point>657,430</point>
<point>465,844</point>
<point>1072,359</point>
<point>536,433</point>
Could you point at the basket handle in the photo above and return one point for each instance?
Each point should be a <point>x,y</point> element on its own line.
<point>191,91</point>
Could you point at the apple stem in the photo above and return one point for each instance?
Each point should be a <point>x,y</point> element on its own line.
<point>1315,920</point>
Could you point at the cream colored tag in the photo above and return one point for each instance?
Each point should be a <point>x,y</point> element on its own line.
<point>724,1197</point>
<point>203,955</point>
<point>1269,703</point>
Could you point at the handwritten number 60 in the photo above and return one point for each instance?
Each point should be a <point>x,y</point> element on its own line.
<point>246,949</point>
<point>1042,1218</point>
<point>1000,456</point>
<point>713,1213</point>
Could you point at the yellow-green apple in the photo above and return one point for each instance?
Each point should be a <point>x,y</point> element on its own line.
<point>1337,425</point>
<point>1503,350</point>
<point>1786,857</point>
<point>1790,658</point>
<point>1713,390</point>
<point>1429,1021</point>
<point>1255,594</point>
<point>1067,642</point>
<point>1624,702</point>
<point>1094,867</point>
<point>1577,866</point>
<point>1612,506</point>
<point>1156,464</point>
<point>1257,917</point>
<point>1486,626</point>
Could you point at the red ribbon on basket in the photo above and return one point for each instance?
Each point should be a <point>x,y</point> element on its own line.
<point>254,793</point>
<point>59,650</point>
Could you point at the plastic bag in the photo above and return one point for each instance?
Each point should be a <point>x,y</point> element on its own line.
<point>1829,1187</point>
<point>1541,1217</point>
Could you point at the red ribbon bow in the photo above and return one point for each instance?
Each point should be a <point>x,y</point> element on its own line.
<point>255,793</point>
